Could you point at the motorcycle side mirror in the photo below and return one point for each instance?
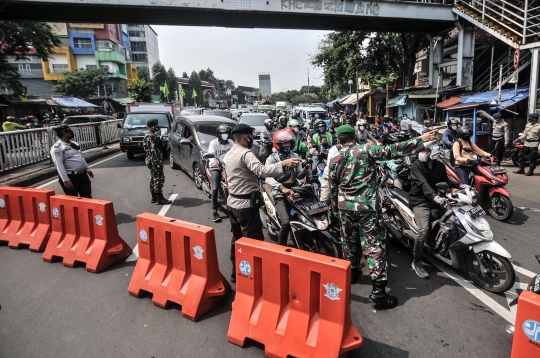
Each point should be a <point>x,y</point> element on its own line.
<point>209,155</point>
<point>442,186</point>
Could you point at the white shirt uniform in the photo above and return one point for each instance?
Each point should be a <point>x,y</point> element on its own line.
<point>219,150</point>
<point>67,159</point>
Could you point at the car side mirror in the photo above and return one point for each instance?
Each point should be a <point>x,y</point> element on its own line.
<point>185,141</point>
<point>442,186</point>
<point>119,125</point>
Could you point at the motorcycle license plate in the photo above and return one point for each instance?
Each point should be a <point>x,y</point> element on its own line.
<point>476,213</point>
<point>316,208</point>
<point>498,170</point>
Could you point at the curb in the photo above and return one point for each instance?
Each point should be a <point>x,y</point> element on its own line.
<point>27,180</point>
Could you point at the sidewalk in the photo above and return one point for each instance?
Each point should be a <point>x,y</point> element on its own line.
<point>35,173</point>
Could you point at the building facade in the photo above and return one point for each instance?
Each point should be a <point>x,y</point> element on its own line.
<point>144,46</point>
<point>265,85</point>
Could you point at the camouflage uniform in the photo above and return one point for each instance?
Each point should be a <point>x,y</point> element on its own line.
<point>154,158</point>
<point>355,198</point>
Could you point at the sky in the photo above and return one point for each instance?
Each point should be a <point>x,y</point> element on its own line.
<point>241,54</point>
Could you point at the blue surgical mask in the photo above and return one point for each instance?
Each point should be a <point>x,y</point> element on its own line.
<point>322,129</point>
<point>286,149</point>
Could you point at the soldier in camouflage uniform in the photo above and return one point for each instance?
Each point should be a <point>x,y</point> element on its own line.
<point>154,161</point>
<point>353,187</point>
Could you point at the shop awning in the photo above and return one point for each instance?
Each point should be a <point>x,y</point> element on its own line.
<point>461,106</point>
<point>449,102</point>
<point>424,95</point>
<point>351,100</point>
<point>397,101</point>
<point>337,100</point>
<point>71,102</point>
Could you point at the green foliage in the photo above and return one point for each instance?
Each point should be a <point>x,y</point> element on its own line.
<point>379,58</point>
<point>159,75</point>
<point>185,75</point>
<point>194,83</point>
<point>17,39</point>
<point>296,97</point>
<point>139,91</point>
<point>82,83</point>
<point>172,83</point>
<point>143,73</point>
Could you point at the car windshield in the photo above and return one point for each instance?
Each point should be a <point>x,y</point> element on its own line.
<point>322,115</point>
<point>257,120</point>
<point>206,133</point>
<point>138,120</point>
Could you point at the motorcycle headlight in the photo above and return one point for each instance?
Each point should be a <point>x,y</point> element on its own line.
<point>126,139</point>
<point>165,138</point>
<point>321,224</point>
<point>486,234</point>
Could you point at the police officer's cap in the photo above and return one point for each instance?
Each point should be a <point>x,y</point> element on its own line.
<point>62,128</point>
<point>497,115</point>
<point>533,115</point>
<point>345,129</point>
<point>152,122</point>
<point>242,128</point>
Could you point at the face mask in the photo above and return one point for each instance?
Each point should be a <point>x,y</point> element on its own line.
<point>454,127</point>
<point>322,129</point>
<point>362,128</point>
<point>423,157</point>
<point>296,129</point>
<point>269,125</point>
<point>224,137</point>
<point>286,149</point>
<point>249,142</point>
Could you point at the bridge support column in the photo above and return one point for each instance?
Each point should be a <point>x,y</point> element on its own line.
<point>436,47</point>
<point>533,83</point>
<point>465,55</point>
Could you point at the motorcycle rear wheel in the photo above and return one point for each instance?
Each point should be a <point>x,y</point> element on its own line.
<point>325,246</point>
<point>500,207</point>
<point>497,266</point>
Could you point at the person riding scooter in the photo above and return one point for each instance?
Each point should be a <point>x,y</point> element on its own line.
<point>282,123</point>
<point>299,147</point>
<point>426,172</point>
<point>281,187</point>
<point>463,151</point>
<point>266,139</point>
<point>449,135</point>
<point>317,142</point>
<point>219,147</point>
<point>362,134</point>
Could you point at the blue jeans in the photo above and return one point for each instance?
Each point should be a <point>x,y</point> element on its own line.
<point>216,182</point>
<point>463,172</point>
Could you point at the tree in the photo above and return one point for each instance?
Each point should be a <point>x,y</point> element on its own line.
<point>172,83</point>
<point>82,83</point>
<point>379,58</point>
<point>143,73</point>
<point>139,91</point>
<point>18,39</point>
<point>185,75</point>
<point>159,75</point>
<point>194,83</point>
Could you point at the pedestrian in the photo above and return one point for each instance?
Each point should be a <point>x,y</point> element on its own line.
<point>499,134</point>
<point>531,137</point>
<point>10,125</point>
<point>73,172</point>
<point>153,148</point>
<point>243,170</point>
<point>353,188</point>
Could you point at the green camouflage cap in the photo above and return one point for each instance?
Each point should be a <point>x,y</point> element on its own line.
<point>152,122</point>
<point>345,129</point>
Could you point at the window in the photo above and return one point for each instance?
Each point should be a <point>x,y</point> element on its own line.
<point>138,120</point>
<point>104,45</point>
<point>25,69</point>
<point>59,68</point>
<point>179,128</point>
<point>83,43</point>
<point>139,57</point>
<point>138,46</point>
<point>136,34</point>
<point>91,67</point>
<point>107,68</point>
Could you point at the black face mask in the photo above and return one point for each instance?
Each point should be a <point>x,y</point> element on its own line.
<point>249,142</point>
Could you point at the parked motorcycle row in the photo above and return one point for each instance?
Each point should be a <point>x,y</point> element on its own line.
<point>460,236</point>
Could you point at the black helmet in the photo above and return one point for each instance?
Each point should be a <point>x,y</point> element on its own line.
<point>61,129</point>
<point>464,132</point>
<point>223,128</point>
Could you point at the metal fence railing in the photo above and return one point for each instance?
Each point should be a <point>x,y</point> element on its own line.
<point>30,146</point>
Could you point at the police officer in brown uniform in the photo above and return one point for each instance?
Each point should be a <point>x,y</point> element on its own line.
<point>243,170</point>
<point>499,134</point>
<point>531,146</point>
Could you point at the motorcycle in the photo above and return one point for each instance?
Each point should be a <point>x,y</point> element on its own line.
<point>311,227</point>
<point>516,152</point>
<point>461,237</point>
<point>207,184</point>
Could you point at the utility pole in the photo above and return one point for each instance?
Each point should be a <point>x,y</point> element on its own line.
<point>308,80</point>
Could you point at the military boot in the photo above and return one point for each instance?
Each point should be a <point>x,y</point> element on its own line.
<point>161,200</point>
<point>154,197</point>
<point>379,296</point>
<point>521,170</point>
<point>531,170</point>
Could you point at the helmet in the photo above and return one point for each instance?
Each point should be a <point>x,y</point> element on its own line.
<point>282,119</point>
<point>223,129</point>
<point>316,123</point>
<point>361,122</point>
<point>268,123</point>
<point>435,152</point>
<point>321,124</point>
<point>295,125</point>
<point>464,132</point>
<point>282,136</point>
<point>454,122</point>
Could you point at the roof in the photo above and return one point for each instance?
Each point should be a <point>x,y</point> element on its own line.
<point>461,106</point>
<point>71,102</point>
<point>352,98</point>
<point>12,99</point>
<point>449,102</point>
<point>206,119</point>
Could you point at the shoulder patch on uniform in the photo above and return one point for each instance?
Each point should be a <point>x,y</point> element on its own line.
<point>67,148</point>
<point>57,145</point>
<point>56,153</point>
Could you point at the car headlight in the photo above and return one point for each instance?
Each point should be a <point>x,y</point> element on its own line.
<point>126,139</point>
<point>486,234</point>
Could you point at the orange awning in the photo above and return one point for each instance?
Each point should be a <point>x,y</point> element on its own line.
<point>449,102</point>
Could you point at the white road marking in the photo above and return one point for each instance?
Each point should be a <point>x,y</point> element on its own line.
<point>534,210</point>
<point>523,271</point>
<point>476,292</point>
<point>93,165</point>
<point>135,254</point>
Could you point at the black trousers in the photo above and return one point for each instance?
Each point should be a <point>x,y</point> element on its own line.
<point>244,223</point>
<point>283,209</point>
<point>533,152</point>
<point>497,148</point>
<point>82,186</point>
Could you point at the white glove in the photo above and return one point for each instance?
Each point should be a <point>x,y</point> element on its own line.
<point>430,144</point>
<point>439,200</point>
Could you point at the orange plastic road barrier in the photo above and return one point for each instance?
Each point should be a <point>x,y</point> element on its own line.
<point>178,263</point>
<point>84,230</point>
<point>526,342</point>
<point>294,302</point>
<point>25,217</point>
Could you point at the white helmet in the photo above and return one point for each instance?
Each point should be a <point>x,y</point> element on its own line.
<point>435,152</point>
